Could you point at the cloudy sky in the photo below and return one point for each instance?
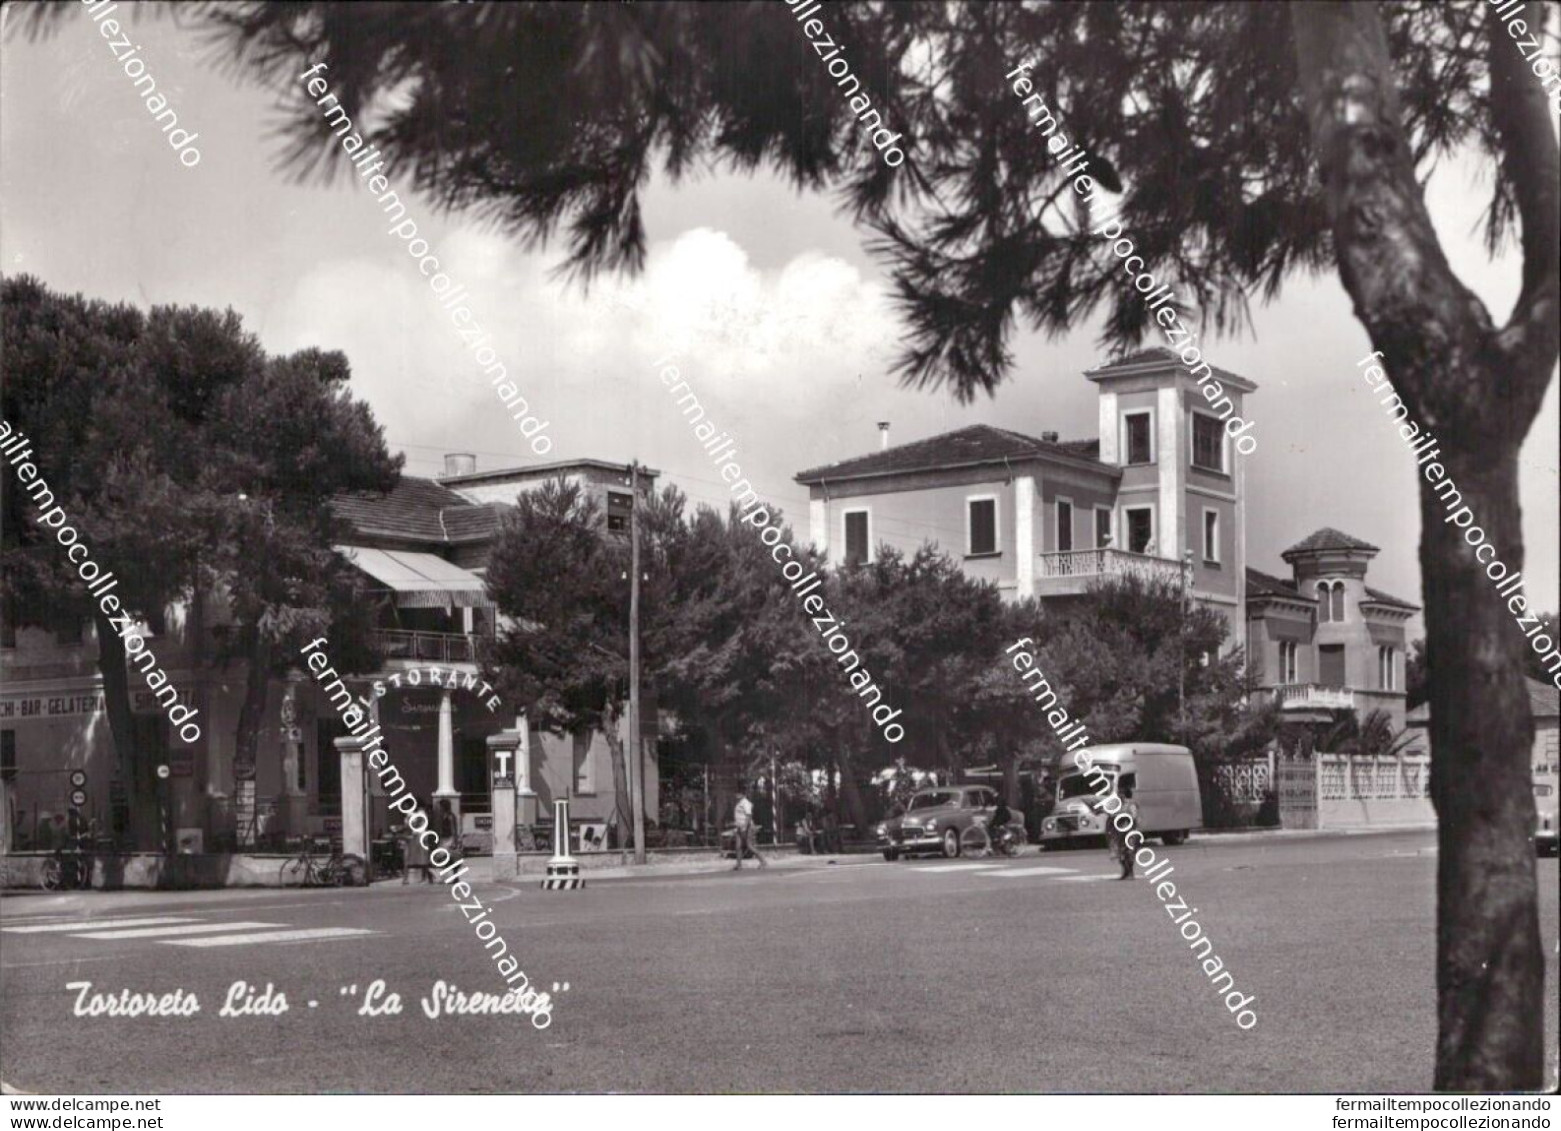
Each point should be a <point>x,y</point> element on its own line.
<point>773,310</point>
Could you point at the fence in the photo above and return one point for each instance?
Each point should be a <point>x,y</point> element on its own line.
<point>1356,790</point>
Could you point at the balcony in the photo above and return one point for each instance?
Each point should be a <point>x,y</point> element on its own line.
<point>1070,573</point>
<point>1314,697</point>
<point>431,647</point>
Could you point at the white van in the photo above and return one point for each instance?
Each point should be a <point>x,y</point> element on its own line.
<point>1163,781</point>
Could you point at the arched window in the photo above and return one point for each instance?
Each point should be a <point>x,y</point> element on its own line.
<point>1330,601</point>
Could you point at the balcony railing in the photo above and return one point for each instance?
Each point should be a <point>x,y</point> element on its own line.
<point>448,647</point>
<point>1314,696</point>
<point>1107,563</point>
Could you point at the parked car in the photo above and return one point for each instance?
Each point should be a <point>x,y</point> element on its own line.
<point>935,820</point>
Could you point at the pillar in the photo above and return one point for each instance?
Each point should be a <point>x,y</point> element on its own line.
<point>503,776</point>
<point>446,789</point>
<point>525,792</point>
<point>354,797</point>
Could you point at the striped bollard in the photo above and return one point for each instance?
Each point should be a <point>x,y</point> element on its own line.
<point>563,871</point>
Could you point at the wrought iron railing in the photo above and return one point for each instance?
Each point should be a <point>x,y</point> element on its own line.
<point>449,647</point>
<point>1315,695</point>
<point>1105,562</point>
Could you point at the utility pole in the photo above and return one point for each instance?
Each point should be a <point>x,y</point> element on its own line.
<point>636,750</point>
<point>1181,644</point>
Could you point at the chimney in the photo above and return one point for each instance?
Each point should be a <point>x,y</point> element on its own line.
<point>883,435</point>
<point>459,463</point>
<point>1049,437</point>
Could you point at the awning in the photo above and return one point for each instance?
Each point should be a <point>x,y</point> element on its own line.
<point>420,581</point>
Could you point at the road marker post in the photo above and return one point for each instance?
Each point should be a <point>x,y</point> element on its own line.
<point>563,870</point>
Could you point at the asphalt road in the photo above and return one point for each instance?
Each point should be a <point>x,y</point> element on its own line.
<point>1036,974</point>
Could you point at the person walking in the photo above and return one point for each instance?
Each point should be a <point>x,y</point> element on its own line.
<point>446,826</point>
<point>1117,832</point>
<point>744,838</point>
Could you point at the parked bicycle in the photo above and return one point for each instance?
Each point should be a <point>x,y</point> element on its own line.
<point>311,868</point>
<point>68,869</point>
<point>977,841</point>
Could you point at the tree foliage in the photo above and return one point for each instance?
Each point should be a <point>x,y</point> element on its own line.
<point>193,467</point>
<point>1250,141</point>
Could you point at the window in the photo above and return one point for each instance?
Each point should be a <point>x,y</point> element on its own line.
<point>1330,601</point>
<point>1140,529</point>
<point>1330,665</point>
<point>1208,442</point>
<point>1288,667</point>
<point>620,505</point>
<point>933,800</point>
<point>1211,536</point>
<point>1102,527</point>
<point>856,537</point>
<point>981,526</point>
<point>7,755</point>
<point>1387,668</point>
<point>1138,439</point>
<point>1077,785</point>
<point>1064,526</point>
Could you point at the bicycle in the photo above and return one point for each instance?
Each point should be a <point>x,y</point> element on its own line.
<point>336,870</point>
<point>977,842</point>
<point>66,870</point>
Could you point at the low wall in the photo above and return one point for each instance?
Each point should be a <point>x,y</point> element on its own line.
<point>535,863</point>
<point>233,870</point>
<point>153,870</point>
<point>1375,812</point>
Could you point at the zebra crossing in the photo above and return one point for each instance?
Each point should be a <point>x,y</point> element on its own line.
<point>181,930</point>
<point>1012,871</point>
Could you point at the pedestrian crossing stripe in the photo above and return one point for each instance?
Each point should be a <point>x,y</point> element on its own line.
<point>301,935</point>
<point>165,932</point>
<point>1084,879</point>
<point>1009,873</point>
<point>957,867</point>
<point>94,924</point>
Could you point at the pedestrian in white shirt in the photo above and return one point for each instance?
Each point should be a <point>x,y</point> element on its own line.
<point>745,840</point>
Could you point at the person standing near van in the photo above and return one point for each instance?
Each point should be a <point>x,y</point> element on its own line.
<point>743,836</point>
<point>1118,836</point>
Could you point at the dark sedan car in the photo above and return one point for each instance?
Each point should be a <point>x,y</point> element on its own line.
<point>935,820</point>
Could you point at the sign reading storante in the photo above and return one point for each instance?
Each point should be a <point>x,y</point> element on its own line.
<point>416,677</point>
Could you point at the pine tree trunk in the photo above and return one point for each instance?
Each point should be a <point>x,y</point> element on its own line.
<point>252,711</point>
<point>121,720</point>
<point>1475,386</point>
<point>612,716</point>
<point>1011,795</point>
<point>851,796</point>
<point>1490,963</point>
